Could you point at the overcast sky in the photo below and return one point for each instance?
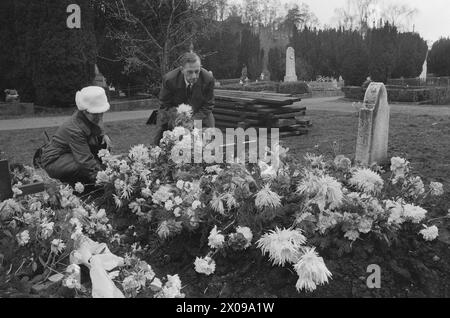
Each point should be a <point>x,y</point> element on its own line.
<point>432,20</point>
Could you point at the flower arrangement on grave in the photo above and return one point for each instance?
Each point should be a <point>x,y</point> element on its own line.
<point>284,207</point>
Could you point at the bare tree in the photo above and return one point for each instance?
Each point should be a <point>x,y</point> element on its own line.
<point>301,16</point>
<point>399,15</point>
<point>356,13</point>
<point>153,33</point>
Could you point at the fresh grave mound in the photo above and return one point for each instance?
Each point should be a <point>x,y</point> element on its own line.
<point>285,226</point>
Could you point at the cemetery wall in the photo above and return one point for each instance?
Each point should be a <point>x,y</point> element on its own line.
<point>428,95</point>
<point>430,81</point>
<point>13,109</point>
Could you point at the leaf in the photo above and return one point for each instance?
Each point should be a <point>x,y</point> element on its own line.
<point>8,233</point>
<point>34,266</point>
<point>56,278</point>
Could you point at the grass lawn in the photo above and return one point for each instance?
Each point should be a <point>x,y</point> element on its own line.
<point>423,139</point>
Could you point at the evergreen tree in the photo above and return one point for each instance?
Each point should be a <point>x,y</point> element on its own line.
<point>439,58</point>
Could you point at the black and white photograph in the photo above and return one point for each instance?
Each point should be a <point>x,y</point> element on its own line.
<point>249,151</point>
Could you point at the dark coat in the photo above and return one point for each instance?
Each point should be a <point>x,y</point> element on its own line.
<point>174,93</point>
<point>81,139</point>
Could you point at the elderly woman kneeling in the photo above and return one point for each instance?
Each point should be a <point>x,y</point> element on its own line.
<point>71,155</point>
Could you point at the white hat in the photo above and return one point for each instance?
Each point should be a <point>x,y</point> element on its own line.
<point>92,99</point>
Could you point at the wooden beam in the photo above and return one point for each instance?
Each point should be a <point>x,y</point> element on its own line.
<point>5,181</point>
<point>32,188</point>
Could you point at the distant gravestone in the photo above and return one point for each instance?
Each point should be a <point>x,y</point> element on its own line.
<point>373,129</point>
<point>99,79</point>
<point>291,76</point>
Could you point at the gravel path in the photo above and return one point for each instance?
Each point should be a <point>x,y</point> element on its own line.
<point>325,104</point>
<point>44,122</point>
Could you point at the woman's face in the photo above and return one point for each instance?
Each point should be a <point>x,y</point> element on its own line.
<point>94,118</point>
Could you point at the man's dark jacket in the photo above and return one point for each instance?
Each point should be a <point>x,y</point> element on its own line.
<point>79,138</point>
<point>174,93</point>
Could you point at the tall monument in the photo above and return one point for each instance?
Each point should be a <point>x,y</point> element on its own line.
<point>423,75</point>
<point>291,76</point>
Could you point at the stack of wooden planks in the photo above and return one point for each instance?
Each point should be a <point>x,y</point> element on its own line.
<point>260,110</point>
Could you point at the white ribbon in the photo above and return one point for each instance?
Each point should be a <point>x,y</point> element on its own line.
<point>98,258</point>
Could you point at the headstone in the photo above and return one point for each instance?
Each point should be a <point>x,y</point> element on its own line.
<point>5,181</point>
<point>99,79</point>
<point>373,129</point>
<point>291,76</point>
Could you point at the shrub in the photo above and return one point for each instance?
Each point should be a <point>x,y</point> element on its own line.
<point>294,88</point>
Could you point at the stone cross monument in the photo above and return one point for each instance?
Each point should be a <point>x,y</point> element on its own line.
<point>373,130</point>
<point>291,76</point>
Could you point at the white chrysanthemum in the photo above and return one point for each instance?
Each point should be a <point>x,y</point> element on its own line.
<point>23,238</point>
<point>180,184</point>
<point>267,198</point>
<point>205,265</point>
<point>169,205</point>
<point>399,167</point>
<point>217,204</point>
<point>282,245</point>
<point>139,153</point>
<point>213,169</point>
<point>365,225</point>
<point>367,181</point>
<point>395,210</point>
<point>16,191</point>
<point>436,189</point>
<point>35,206</point>
<point>311,271</point>
<point>178,200</point>
<point>146,192</point>
<point>268,172</point>
<point>71,282</point>
<point>180,131</point>
<point>171,289</point>
<point>230,200</point>
<point>430,233</point>
<point>177,212</point>
<point>352,235</point>
<point>155,152</point>
<point>102,177</point>
<point>413,213</point>
<point>136,206</point>
<point>57,246</point>
<point>247,233</point>
<point>103,153</point>
<point>343,163</point>
<point>417,186</point>
<point>326,220</point>
<point>47,229</point>
<point>314,161</point>
<point>79,187</point>
<point>321,190</point>
<point>124,167</point>
<point>184,109</point>
<point>215,239</point>
<point>162,195</point>
<point>196,204</point>
<point>118,202</point>
<point>163,230</point>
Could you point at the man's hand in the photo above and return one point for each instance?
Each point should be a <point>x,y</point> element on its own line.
<point>107,141</point>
